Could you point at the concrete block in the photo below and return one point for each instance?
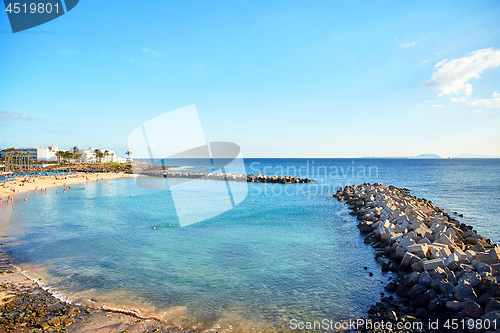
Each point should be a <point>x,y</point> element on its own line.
<point>418,249</point>
<point>424,241</point>
<point>444,239</point>
<point>491,257</point>
<point>452,260</point>
<point>409,259</point>
<point>434,263</point>
<point>471,255</point>
<point>461,254</point>
<point>418,266</point>
<point>406,241</point>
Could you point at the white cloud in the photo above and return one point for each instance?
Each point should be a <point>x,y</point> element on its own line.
<point>455,99</point>
<point>477,111</point>
<point>489,103</point>
<point>452,77</point>
<point>468,89</point>
<point>437,106</point>
<point>67,52</point>
<point>11,115</point>
<point>148,51</point>
<point>411,44</point>
<point>425,61</point>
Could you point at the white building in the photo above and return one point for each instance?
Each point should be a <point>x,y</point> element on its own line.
<point>40,154</point>
<point>89,156</point>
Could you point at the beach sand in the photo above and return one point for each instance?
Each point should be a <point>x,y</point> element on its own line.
<point>42,182</point>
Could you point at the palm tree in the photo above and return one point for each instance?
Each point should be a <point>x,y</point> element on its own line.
<point>74,151</point>
<point>28,160</point>
<point>59,154</point>
<point>128,153</point>
<point>17,154</point>
<point>97,153</point>
<point>77,158</point>
<point>12,158</point>
<point>67,155</point>
<point>106,153</point>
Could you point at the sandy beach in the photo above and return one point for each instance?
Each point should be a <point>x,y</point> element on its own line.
<point>38,183</point>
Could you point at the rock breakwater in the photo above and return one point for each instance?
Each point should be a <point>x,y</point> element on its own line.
<point>228,176</point>
<point>446,272</point>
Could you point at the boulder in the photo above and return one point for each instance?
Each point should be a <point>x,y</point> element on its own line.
<point>446,288</point>
<point>425,279</point>
<point>472,277</point>
<point>472,309</point>
<point>455,305</point>
<point>411,279</point>
<point>421,313</point>
<point>391,287</point>
<point>492,306</point>
<point>484,299</point>
<point>464,292</point>
<point>418,266</point>
<point>491,317</point>
<point>422,300</point>
<point>402,290</point>
<point>416,290</point>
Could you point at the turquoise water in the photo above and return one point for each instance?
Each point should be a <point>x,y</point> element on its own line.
<point>276,256</point>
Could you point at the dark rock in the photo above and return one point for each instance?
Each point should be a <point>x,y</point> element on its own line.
<point>455,305</point>
<point>472,309</point>
<point>416,290</point>
<point>425,279</point>
<point>391,287</point>
<point>484,299</point>
<point>494,290</point>
<point>401,290</point>
<point>421,313</point>
<point>446,288</point>
<point>411,279</point>
<point>491,317</point>
<point>492,306</point>
<point>472,277</point>
<point>466,292</point>
<point>422,301</point>
<point>437,281</point>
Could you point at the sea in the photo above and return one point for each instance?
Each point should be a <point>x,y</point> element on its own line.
<point>246,257</point>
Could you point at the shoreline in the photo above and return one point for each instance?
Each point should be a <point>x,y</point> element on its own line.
<point>27,306</point>
<point>40,183</point>
<point>446,272</point>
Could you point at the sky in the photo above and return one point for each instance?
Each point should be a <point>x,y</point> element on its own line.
<point>278,78</point>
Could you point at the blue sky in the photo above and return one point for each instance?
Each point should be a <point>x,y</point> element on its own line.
<point>280,79</point>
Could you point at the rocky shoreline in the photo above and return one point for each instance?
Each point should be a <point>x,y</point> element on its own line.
<point>447,275</point>
<point>26,307</point>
